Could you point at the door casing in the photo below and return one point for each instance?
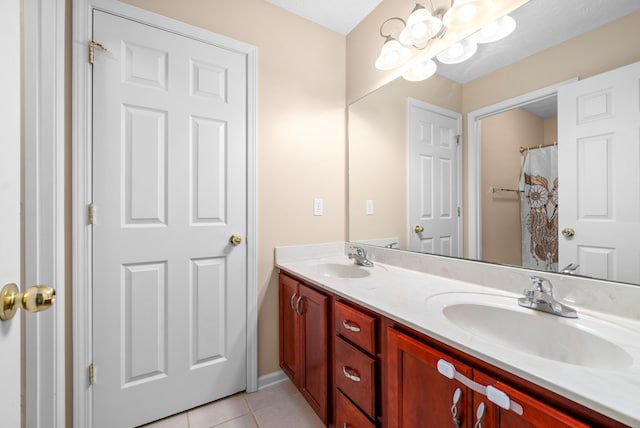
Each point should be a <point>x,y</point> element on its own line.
<point>81,152</point>
<point>473,237</point>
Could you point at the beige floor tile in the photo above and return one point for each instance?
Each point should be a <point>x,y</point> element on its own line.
<point>218,412</point>
<point>271,396</point>
<point>245,421</point>
<point>293,412</point>
<point>177,421</point>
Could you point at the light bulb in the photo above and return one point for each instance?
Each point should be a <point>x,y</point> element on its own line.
<point>419,30</point>
<point>456,50</point>
<point>467,12</point>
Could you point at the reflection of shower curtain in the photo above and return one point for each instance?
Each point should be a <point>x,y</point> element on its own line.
<point>539,208</point>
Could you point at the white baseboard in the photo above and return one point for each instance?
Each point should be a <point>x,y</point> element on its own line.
<point>271,379</point>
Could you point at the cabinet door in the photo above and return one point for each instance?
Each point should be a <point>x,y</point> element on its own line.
<point>289,329</point>
<point>314,370</point>
<point>534,414</point>
<point>418,395</point>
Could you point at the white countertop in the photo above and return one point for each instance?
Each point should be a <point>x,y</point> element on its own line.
<point>402,295</point>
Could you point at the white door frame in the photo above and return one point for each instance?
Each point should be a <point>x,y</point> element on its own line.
<point>474,159</point>
<point>82,185</point>
<point>412,102</point>
<point>44,208</point>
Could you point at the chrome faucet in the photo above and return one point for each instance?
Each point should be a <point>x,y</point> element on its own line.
<point>359,257</point>
<point>541,298</point>
<point>571,268</point>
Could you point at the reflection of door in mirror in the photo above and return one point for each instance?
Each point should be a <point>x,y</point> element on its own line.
<point>599,119</point>
<point>434,179</point>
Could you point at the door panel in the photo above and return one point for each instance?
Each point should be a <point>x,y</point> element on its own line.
<point>433,181</point>
<point>10,213</point>
<point>599,174</point>
<point>169,187</point>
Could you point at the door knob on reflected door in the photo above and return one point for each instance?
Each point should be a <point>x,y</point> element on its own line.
<point>418,229</point>
<point>34,299</point>
<point>568,232</point>
<point>235,239</point>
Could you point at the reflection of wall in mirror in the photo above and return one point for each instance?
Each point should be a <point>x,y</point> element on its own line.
<point>502,136</point>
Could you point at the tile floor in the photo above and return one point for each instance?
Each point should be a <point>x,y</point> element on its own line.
<point>279,406</point>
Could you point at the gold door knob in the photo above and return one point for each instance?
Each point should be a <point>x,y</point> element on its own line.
<point>34,299</point>
<point>235,239</point>
<point>418,229</point>
<point>568,232</point>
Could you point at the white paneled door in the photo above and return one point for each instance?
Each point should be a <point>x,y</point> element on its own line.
<point>433,180</point>
<point>599,174</point>
<point>10,202</point>
<point>169,190</point>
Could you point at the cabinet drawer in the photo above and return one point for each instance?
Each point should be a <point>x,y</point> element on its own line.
<point>355,376</point>
<point>348,415</point>
<point>356,327</point>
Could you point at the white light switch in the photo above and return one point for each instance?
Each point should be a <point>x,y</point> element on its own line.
<point>318,206</point>
<point>369,207</point>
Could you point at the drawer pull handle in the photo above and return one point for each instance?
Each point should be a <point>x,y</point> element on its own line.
<point>354,377</point>
<point>454,408</point>
<point>298,309</point>
<point>351,326</point>
<point>479,415</point>
<point>293,297</point>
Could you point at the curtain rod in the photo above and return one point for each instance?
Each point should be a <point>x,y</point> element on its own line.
<point>526,149</point>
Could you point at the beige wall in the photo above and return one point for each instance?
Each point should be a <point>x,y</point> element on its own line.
<point>301,132</point>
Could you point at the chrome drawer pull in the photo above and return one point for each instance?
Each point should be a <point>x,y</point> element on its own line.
<point>354,377</point>
<point>479,415</point>
<point>457,394</point>
<point>293,297</point>
<point>350,326</point>
<point>298,310</point>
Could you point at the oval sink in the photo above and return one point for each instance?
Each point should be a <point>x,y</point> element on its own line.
<point>337,270</point>
<point>500,321</point>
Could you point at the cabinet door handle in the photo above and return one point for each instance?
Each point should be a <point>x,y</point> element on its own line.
<point>479,415</point>
<point>293,297</point>
<point>354,377</point>
<point>350,325</point>
<point>297,309</point>
<point>457,394</point>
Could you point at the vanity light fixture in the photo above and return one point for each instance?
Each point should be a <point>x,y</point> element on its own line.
<point>426,27</point>
<point>495,31</point>
<point>393,53</point>
<point>458,52</point>
<point>464,12</point>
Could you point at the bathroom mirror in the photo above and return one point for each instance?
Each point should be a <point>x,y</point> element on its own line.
<point>378,154</point>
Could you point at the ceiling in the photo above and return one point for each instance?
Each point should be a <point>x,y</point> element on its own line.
<point>340,16</point>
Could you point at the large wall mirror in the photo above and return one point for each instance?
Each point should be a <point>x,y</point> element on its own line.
<point>510,90</point>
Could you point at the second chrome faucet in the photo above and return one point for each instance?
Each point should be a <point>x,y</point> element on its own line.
<point>540,298</point>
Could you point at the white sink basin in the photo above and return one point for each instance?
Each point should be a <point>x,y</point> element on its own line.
<point>498,320</point>
<point>337,270</point>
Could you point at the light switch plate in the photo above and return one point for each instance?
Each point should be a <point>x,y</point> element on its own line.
<point>318,206</point>
<point>369,207</point>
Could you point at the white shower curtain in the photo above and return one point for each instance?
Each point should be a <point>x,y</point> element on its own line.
<point>539,208</point>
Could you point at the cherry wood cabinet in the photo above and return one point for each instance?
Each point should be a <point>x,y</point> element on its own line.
<point>417,394</point>
<point>304,345</point>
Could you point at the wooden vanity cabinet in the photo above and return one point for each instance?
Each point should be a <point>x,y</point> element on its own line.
<point>304,341</point>
<point>418,392</point>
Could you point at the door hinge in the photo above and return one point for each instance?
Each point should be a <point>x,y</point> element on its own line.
<point>92,49</point>
<point>458,211</point>
<point>91,213</point>
<point>458,139</point>
<point>92,374</point>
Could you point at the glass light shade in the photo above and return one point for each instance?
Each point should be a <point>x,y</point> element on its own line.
<point>458,52</point>
<point>495,31</point>
<point>392,55</point>
<point>421,26</point>
<point>420,70</point>
<point>466,12</point>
